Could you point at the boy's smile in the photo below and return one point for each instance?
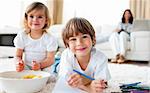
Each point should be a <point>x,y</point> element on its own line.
<point>81,49</point>
<point>81,44</point>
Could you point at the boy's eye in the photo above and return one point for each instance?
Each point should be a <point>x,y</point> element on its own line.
<point>72,39</point>
<point>85,36</point>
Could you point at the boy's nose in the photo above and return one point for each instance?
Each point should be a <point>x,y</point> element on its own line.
<point>79,41</point>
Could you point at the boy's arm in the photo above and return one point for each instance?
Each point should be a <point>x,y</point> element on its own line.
<point>86,84</point>
<point>88,87</point>
<point>86,81</point>
<point>85,88</point>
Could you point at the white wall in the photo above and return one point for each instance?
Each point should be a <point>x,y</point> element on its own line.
<point>96,11</point>
<point>12,12</point>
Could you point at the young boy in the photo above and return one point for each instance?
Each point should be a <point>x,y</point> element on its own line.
<point>80,54</point>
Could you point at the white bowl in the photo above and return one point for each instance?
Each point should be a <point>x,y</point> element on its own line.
<point>12,82</point>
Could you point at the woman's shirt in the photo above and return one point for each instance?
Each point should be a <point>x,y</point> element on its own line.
<point>125,26</point>
<point>35,49</point>
<point>97,66</point>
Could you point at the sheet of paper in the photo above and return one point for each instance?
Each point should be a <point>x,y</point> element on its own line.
<point>62,87</point>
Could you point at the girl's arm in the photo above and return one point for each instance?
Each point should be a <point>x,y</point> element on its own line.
<point>19,61</point>
<point>49,60</point>
<point>19,54</point>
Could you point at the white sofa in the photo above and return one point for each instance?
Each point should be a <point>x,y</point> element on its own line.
<point>8,32</point>
<point>139,45</point>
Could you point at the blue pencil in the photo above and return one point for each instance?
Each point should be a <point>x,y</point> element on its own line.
<point>86,76</point>
<point>132,84</point>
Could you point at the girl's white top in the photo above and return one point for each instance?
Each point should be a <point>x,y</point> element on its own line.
<point>35,49</point>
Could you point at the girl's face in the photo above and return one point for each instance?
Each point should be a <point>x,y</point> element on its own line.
<point>127,15</point>
<point>36,20</point>
<point>81,45</point>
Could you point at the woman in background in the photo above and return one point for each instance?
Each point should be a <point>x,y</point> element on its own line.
<point>120,36</point>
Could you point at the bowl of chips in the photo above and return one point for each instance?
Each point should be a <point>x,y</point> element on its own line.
<point>27,81</point>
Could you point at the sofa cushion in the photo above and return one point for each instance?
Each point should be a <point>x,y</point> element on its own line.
<point>56,31</point>
<point>106,31</point>
<point>141,25</point>
<point>100,37</point>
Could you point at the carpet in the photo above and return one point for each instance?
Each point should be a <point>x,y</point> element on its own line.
<point>127,73</point>
<point>120,73</point>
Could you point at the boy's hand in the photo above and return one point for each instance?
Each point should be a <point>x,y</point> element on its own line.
<point>35,65</point>
<point>75,80</point>
<point>97,86</point>
<point>20,66</point>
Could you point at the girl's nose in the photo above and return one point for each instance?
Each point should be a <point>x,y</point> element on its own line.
<point>35,18</point>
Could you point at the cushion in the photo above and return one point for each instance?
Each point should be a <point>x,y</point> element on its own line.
<point>141,25</point>
<point>56,31</point>
<point>106,31</point>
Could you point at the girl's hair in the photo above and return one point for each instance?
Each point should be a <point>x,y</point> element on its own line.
<point>37,6</point>
<point>76,26</point>
<point>131,16</point>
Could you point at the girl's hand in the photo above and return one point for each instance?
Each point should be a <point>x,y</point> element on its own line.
<point>35,65</point>
<point>20,66</point>
<point>75,80</point>
<point>97,86</point>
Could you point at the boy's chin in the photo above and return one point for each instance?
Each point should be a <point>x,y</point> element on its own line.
<point>81,54</point>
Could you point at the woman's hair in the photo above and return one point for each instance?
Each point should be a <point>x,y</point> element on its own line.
<point>131,16</point>
<point>37,6</point>
<point>76,26</point>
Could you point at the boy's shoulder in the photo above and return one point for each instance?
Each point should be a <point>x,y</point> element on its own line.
<point>67,52</point>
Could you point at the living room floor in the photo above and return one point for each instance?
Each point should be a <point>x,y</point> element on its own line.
<point>138,63</point>
<point>129,72</point>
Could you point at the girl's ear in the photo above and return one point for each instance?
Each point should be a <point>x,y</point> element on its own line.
<point>46,21</point>
<point>94,41</point>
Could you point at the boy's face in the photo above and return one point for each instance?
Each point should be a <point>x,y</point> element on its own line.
<point>80,45</point>
<point>36,19</point>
